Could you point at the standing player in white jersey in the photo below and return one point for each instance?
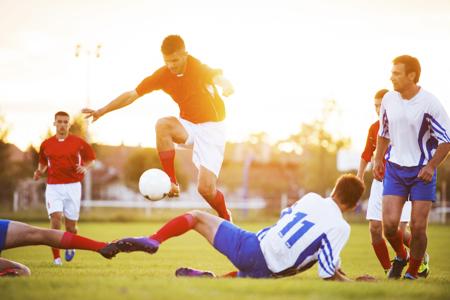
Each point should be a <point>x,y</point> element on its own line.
<point>414,129</point>
<point>374,211</point>
<point>312,230</point>
<point>66,158</point>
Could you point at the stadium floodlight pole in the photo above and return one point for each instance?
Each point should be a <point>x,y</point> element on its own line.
<point>88,52</point>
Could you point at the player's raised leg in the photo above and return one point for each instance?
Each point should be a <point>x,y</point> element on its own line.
<point>207,187</point>
<point>202,222</point>
<point>169,131</point>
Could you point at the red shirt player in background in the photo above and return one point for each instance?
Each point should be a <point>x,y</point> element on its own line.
<point>192,85</point>
<point>66,158</point>
<point>374,207</point>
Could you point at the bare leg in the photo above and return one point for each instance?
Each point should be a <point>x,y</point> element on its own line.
<point>207,187</point>
<point>55,222</point>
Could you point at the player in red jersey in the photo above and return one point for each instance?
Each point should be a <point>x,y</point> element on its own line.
<point>192,85</point>
<point>15,234</point>
<point>66,158</point>
<point>374,210</point>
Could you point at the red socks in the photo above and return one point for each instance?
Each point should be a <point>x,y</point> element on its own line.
<point>167,159</point>
<point>382,253</point>
<point>397,243</point>
<point>175,227</point>
<point>414,265</point>
<point>219,206</point>
<point>55,252</point>
<point>73,241</point>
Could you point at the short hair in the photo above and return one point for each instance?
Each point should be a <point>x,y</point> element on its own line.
<point>61,113</point>
<point>171,44</point>
<point>349,189</point>
<point>411,65</point>
<point>380,94</point>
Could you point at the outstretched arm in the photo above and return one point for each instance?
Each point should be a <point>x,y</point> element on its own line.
<point>123,100</point>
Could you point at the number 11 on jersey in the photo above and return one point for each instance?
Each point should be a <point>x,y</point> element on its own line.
<point>306,225</point>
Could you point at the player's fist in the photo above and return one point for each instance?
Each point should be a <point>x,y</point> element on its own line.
<point>95,114</point>
<point>426,173</point>
<point>378,169</point>
<point>365,277</point>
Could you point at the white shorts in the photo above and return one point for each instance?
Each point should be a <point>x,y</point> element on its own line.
<point>208,144</point>
<point>64,198</point>
<point>374,207</point>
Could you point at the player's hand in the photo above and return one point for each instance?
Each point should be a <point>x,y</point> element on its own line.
<point>95,114</point>
<point>82,169</point>
<point>378,170</point>
<point>37,174</point>
<point>426,173</point>
<point>227,88</point>
<point>365,277</point>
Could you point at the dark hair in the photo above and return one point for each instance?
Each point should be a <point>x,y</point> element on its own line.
<point>411,65</point>
<point>61,113</point>
<point>171,44</point>
<point>348,190</point>
<point>380,94</point>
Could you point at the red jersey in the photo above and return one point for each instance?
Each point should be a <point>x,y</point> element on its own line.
<point>371,142</point>
<point>194,91</point>
<point>62,158</point>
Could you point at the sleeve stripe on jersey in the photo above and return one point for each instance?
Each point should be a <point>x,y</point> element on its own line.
<point>323,267</point>
<point>440,135</point>
<point>385,131</point>
<point>328,258</point>
<point>439,129</point>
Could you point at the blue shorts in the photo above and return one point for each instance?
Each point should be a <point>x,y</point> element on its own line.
<point>242,249</point>
<point>3,231</point>
<point>403,181</point>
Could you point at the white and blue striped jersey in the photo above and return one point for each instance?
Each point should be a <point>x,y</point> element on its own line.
<point>415,127</point>
<point>312,230</point>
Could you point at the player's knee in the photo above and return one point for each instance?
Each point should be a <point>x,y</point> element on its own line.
<point>376,231</point>
<point>389,230</point>
<point>418,228</point>
<point>163,126</point>
<point>55,220</point>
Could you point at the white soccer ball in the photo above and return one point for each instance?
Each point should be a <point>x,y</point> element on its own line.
<point>154,184</point>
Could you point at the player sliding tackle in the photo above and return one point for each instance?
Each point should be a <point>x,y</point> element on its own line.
<point>15,234</point>
<point>312,230</point>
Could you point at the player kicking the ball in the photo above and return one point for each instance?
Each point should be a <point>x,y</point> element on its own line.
<point>312,231</point>
<point>192,85</point>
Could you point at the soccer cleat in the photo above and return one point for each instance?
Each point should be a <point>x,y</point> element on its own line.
<point>57,261</point>
<point>69,254</point>
<point>109,251</point>
<point>189,272</point>
<point>11,272</point>
<point>424,269</point>
<point>409,276</point>
<point>395,272</point>
<point>132,244</point>
<point>174,191</point>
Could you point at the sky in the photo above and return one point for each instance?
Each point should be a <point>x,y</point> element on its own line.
<point>284,58</point>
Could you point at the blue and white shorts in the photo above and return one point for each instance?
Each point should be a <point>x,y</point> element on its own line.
<point>403,181</point>
<point>242,249</point>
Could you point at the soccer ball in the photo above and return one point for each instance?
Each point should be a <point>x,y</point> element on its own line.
<point>154,184</point>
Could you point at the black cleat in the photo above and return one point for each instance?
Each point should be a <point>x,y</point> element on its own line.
<point>109,251</point>
<point>395,272</point>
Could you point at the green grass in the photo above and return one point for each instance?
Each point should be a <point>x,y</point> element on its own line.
<point>141,276</point>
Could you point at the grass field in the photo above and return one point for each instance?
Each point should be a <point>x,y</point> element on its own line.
<point>142,276</point>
